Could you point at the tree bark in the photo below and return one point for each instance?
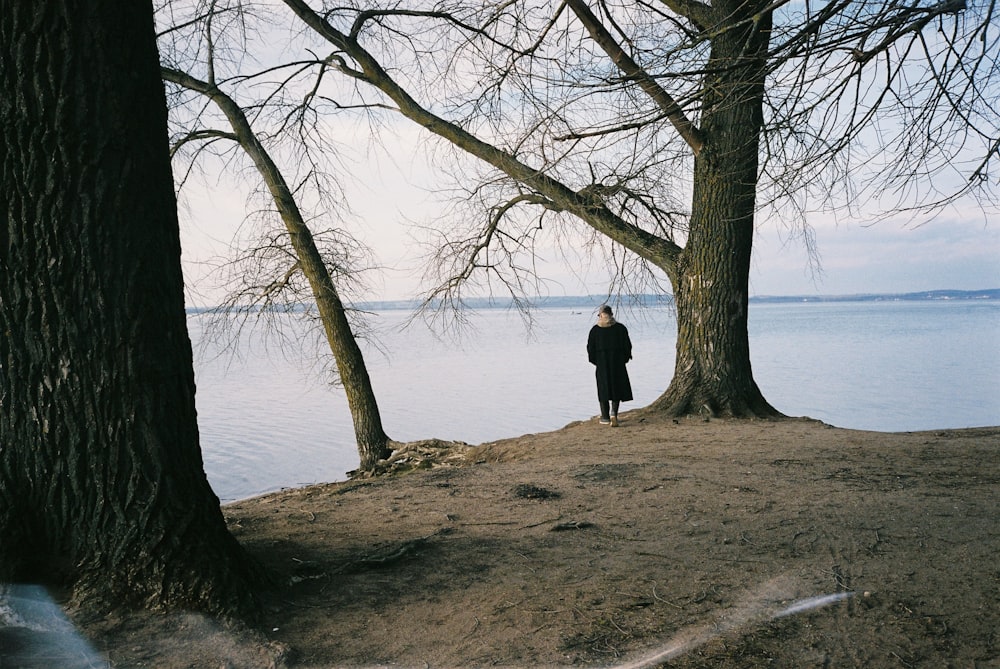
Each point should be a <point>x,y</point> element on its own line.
<point>372,441</point>
<point>102,485</point>
<point>712,373</point>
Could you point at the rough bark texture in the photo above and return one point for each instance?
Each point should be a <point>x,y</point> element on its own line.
<point>101,479</point>
<point>712,373</point>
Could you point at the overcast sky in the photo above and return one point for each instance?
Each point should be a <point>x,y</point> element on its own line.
<point>950,251</point>
<point>954,250</point>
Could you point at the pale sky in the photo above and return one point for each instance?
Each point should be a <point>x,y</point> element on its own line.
<point>955,250</point>
<point>950,251</point>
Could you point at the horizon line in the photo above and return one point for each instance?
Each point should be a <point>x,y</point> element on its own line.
<point>640,300</point>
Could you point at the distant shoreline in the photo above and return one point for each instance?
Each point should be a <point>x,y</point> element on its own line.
<point>923,296</point>
<point>649,300</point>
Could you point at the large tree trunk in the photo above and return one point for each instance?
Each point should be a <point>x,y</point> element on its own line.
<point>712,373</point>
<point>101,479</point>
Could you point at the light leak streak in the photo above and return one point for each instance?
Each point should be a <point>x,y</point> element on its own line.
<point>757,609</point>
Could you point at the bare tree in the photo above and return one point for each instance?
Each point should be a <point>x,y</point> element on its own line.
<point>102,487</point>
<point>293,255</point>
<point>609,113</point>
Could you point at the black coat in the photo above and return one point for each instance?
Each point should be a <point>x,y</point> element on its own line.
<point>609,348</point>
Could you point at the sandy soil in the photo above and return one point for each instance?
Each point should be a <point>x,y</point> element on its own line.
<point>659,543</point>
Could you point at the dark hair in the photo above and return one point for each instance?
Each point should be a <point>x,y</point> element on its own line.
<point>605,309</point>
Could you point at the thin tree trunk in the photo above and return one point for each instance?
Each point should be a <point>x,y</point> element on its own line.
<point>102,484</point>
<point>372,441</point>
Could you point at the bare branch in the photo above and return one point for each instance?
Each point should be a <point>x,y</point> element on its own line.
<point>200,136</point>
<point>698,13</point>
<point>633,71</point>
<point>582,204</point>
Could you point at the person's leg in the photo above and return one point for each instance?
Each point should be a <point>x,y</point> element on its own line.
<point>614,413</point>
<point>605,413</point>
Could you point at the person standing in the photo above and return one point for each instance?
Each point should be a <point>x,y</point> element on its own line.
<point>609,348</point>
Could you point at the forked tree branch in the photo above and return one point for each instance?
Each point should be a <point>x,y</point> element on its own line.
<point>698,13</point>
<point>587,207</point>
<point>687,130</point>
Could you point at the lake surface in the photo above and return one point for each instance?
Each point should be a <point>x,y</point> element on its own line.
<point>270,419</point>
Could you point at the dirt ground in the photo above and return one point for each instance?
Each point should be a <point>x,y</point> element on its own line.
<point>686,543</point>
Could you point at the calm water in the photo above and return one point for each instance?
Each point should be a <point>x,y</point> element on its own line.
<point>269,418</point>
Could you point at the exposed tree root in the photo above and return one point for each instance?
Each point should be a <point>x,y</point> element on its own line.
<point>423,454</point>
<point>692,398</point>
